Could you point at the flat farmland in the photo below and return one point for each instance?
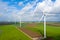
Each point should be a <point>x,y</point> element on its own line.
<point>53,30</point>
<point>9,32</point>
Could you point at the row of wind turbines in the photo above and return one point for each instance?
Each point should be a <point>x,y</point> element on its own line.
<point>45,14</point>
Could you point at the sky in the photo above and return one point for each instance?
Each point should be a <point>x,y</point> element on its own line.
<point>29,10</point>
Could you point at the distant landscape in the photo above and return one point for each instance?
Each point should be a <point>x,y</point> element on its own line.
<point>29,19</point>
<point>8,30</point>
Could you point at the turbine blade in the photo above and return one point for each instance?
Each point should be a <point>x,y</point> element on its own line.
<point>41,17</point>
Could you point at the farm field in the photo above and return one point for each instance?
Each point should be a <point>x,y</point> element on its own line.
<point>53,31</point>
<point>9,32</point>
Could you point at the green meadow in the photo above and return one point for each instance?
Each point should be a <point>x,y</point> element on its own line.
<point>53,31</point>
<point>9,32</point>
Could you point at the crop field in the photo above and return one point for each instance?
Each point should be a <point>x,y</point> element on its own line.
<point>9,32</point>
<point>53,31</point>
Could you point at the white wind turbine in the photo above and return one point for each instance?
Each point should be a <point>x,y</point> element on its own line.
<point>18,16</point>
<point>45,13</point>
<point>44,16</point>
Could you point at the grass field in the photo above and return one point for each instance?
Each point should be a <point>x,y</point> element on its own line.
<point>52,31</point>
<point>9,32</point>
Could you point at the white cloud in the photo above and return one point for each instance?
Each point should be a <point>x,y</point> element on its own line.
<point>43,7</point>
<point>56,8</point>
<point>50,7</point>
<point>26,8</point>
<point>7,11</point>
<point>27,13</point>
<point>20,3</point>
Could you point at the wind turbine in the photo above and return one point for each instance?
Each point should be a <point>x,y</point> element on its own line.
<point>44,16</point>
<point>18,16</point>
<point>20,21</point>
<point>45,13</point>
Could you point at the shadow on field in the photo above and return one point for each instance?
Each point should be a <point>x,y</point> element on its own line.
<point>57,37</point>
<point>50,38</point>
<point>41,32</point>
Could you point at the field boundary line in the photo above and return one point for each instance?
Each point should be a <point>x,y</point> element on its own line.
<point>24,33</point>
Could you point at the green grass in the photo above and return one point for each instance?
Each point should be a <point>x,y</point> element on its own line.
<point>9,32</point>
<point>52,31</point>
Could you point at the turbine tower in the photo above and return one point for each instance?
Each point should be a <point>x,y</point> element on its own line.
<point>49,3</point>
<point>45,15</point>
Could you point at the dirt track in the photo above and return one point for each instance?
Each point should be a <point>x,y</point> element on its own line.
<point>30,33</point>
